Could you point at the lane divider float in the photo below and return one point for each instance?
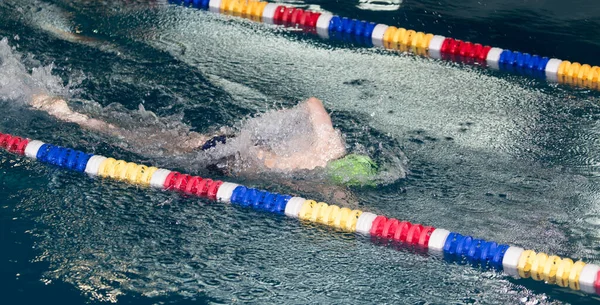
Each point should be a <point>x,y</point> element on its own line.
<point>514,261</point>
<point>367,33</point>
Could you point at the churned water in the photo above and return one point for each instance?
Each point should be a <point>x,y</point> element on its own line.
<point>491,154</point>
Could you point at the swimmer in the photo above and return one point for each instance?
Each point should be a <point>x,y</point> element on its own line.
<point>296,139</point>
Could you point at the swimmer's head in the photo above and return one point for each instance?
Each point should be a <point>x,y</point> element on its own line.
<point>353,170</point>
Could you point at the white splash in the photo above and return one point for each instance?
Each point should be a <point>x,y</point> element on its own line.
<point>19,83</point>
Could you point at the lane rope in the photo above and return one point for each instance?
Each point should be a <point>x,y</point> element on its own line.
<point>511,260</point>
<point>328,26</point>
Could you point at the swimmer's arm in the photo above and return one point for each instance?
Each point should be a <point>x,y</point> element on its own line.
<point>292,162</point>
<point>328,141</point>
<point>174,144</point>
<point>59,109</point>
<point>320,153</point>
<point>319,118</point>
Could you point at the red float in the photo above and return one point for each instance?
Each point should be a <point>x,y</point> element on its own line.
<point>466,49</point>
<point>412,237</point>
<point>296,17</point>
<point>455,47</point>
<point>484,52</point>
<point>4,138</point>
<point>20,147</point>
<point>181,181</point>
<point>312,21</point>
<point>402,231</point>
<point>446,45</point>
<point>286,16</point>
<point>377,225</point>
<point>13,144</point>
<point>389,228</point>
<point>475,50</point>
<point>213,189</point>
<point>192,185</point>
<point>278,13</point>
<point>203,188</point>
<point>305,18</point>
<point>170,180</point>
<point>425,235</point>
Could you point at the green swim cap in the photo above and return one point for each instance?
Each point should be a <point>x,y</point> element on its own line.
<point>353,170</point>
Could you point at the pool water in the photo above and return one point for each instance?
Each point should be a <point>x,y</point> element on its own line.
<point>491,154</point>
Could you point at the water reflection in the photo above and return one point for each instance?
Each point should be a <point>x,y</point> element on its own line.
<point>379,5</point>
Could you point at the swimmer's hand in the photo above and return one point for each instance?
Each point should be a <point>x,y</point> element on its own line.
<point>327,145</point>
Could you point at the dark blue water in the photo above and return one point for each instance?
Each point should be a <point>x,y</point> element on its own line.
<point>491,154</point>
